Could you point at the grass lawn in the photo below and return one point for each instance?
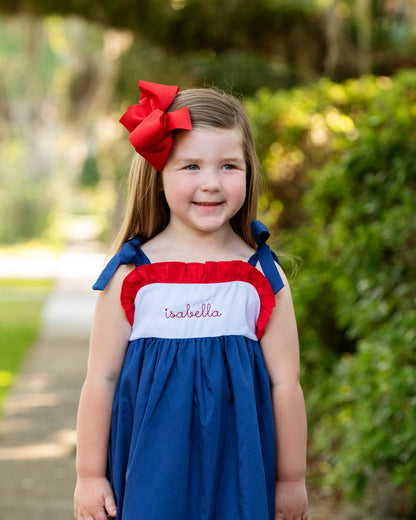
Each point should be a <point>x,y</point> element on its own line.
<point>21,303</point>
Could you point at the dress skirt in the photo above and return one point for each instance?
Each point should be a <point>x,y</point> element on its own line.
<point>192,432</point>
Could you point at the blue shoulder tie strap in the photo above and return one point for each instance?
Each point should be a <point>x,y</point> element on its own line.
<point>266,256</point>
<point>129,253</point>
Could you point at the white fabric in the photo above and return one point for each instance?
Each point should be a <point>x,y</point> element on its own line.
<point>187,310</point>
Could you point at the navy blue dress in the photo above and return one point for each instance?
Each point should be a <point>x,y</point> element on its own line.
<point>192,430</point>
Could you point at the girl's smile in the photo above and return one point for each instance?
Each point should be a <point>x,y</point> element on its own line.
<point>208,205</point>
<point>204,179</point>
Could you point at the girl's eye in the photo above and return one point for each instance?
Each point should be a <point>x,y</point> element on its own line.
<point>191,167</point>
<point>228,167</point>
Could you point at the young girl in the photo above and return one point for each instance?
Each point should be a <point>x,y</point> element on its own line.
<point>192,408</point>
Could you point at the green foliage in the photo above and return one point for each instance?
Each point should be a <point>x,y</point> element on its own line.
<point>24,202</point>
<point>309,36</point>
<point>237,71</point>
<point>90,176</point>
<point>351,150</point>
<point>183,25</point>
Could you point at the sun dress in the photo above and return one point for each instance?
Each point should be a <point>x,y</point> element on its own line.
<point>192,430</point>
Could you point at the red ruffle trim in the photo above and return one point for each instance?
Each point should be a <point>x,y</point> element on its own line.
<point>202,273</point>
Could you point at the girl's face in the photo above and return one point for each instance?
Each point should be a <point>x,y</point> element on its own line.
<point>204,179</point>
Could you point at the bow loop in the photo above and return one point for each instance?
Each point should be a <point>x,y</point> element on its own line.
<point>175,120</point>
<point>260,232</point>
<point>155,95</point>
<point>149,124</point>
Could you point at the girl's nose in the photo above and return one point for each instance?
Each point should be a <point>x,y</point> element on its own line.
<point>210,180</point>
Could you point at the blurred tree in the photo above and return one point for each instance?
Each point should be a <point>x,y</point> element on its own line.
<point>90,175</point>
<point>364,34</point>
<point>273,27</point>
<point>340,38</point>
<point>57,80</point>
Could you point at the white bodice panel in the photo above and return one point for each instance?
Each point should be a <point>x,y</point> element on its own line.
<point>192,310</point>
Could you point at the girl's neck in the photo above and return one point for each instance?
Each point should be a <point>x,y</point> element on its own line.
<point>169,245</point>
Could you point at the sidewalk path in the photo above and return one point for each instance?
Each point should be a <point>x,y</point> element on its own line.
<point>37,443</point>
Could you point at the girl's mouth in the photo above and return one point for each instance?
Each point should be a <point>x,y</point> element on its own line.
<point>208,203</point>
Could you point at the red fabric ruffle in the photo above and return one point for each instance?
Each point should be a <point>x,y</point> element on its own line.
<point>199,273</point>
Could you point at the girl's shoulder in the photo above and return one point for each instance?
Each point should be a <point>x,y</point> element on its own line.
<point>115,283</point>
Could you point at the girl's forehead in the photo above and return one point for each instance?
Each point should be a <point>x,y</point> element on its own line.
<point>202,136</point>
<point>207,144</point>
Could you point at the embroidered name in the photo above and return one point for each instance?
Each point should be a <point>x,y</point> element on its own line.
<point>205,311</point>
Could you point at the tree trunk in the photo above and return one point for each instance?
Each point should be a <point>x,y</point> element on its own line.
<point>364,20</point>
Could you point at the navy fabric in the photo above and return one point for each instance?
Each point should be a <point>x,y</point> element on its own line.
<point>129,253</point>
<point>192,428</point>
<point>265,256</point>
<point>192,433</point>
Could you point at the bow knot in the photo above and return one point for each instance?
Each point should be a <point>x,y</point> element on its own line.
<point>129,253</point>
<point>149,124</point>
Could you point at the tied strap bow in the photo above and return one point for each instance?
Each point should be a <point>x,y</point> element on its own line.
<point>266,256</point>
<point>129,253</point>
<point>149,124</point>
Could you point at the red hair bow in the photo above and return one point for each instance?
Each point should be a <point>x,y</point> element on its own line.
<point>149,124</point>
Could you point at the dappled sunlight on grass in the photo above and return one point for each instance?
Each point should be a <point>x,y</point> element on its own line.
<point>6,378</point>
<point>20,310</point>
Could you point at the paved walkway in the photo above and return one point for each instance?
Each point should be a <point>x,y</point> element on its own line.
<point>37,445</point>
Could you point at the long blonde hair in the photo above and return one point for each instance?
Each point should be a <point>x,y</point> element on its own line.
<point>147,212</point>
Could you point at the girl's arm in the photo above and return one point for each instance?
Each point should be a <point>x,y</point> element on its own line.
<point>109,338</point>
<point>280,348</point>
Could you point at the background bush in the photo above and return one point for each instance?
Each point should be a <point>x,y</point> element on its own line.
<point>342,159</point>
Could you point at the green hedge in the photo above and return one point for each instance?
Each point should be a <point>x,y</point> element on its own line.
<point>341,162</point>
